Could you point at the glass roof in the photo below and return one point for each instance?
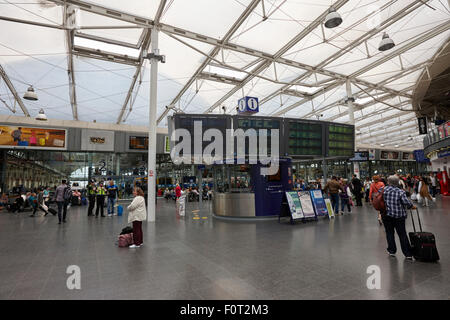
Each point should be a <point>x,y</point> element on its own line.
<point>276,50</point>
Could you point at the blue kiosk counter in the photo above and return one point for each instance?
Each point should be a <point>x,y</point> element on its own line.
<point>242,192</point>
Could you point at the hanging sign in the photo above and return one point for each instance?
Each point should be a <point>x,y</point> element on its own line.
<point>422,125</point>
<point>248,105</point>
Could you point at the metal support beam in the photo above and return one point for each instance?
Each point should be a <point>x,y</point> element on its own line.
<point>213,53</point>
<point>105,55</point>
<point>13,91</point>
<point>70,70</point>
<point>106,40</point>
<point>144,49</point>
<point>218,78</point>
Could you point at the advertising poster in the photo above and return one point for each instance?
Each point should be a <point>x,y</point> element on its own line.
<point>408,156</point>
<point>371,154</point>
<point>32,138</point>
<point>294,205</point>
<point>319,203</point>
<point>166,144</point>
<point>330,208</point>
<point>307,205</point>
<point>389,155</point>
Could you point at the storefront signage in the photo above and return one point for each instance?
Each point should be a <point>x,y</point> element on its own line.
<point>97,140</point>
<point>166,144</point>
<point>360,156</point>
<point>295,206</point>
<point>389,155</point>
<point>32,138</point>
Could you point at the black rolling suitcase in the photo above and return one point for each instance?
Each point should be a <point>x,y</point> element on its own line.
<point>423,244</point>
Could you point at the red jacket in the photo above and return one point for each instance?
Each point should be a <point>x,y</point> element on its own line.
<point>178,191</point>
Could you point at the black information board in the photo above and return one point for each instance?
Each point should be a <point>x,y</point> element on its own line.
<point>138,143</point>
<point>208,121</point>
<point>340,140</point>
<point>303,138</point>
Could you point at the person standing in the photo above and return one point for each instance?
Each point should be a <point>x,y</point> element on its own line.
<point>333,187</point>
<point>396,200</point>
<point>112,191</point>
<point>433,184</point>
<point>92,192</point>
<point>345,196</point>
<point>136,214</point>
<point>376,185</point>
<point>357,190</point>
<point>101,193</point>
<point>61,195</point>
<point>367,188</point>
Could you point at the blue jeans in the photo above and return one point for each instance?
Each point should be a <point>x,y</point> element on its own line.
<point>335,202</point>
<point>345,202</point>
<point>111,202</point>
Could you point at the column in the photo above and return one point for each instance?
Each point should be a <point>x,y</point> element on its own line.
<point>152,128</point>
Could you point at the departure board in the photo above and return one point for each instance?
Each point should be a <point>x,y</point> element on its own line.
<point>304,138</point>
<point>257,123</point>
<point>219,122</point>
<point>341,140</point>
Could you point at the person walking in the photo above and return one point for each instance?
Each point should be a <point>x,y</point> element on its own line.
<point>62,200</point>
<point>136,214</point>
<point>345,196</point>
<point>113,193</point>
<point>92,192</point>
<point>333,187</point>
<point>101,193</point>
<point>396,200</point>
<point>357,190</point>
<point>424,191</point>
<point>40,203</point>
<point>376,185</point>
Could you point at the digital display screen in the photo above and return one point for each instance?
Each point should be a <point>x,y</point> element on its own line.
<point>304,138</point>
<point>258,123</point>
<point>138,143</point>
<point>340,140</point>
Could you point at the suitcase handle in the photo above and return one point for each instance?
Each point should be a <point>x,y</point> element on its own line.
<point>418,217</point>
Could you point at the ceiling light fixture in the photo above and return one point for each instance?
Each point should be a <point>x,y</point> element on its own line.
<point>41,116</point>
<point>386,43</point>
<point>30,94</point>
<point>333,19</point>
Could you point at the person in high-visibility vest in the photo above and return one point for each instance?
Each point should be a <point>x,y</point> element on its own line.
<point>92,192</point>
<point>101,193</point>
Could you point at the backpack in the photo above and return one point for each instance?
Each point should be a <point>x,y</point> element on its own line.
<point>378,200</point>
<point>67,193</point>
<point>125,240</point>
<point>126,230</point>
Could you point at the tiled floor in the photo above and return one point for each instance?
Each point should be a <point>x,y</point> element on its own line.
<point>215,259</point>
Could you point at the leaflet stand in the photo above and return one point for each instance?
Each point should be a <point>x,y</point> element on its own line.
<point>286,211</point>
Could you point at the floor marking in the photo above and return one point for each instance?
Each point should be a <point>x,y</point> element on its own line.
<point>196,218</point>
<point>204,217</point>
<point>195,210</point>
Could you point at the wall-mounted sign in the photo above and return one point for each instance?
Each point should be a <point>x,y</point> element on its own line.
<point>166,144</point>
<point>138,143</point>
<point>389,155</point>
<point>97,140</point>
<point>422,125</point>
<point>248,105</point>
<point>408,156</point>
<point>360,156</point>
<point>32,138</point>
